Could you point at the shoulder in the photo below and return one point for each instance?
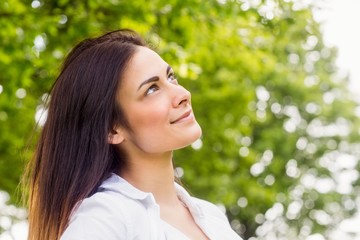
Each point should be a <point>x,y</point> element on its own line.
<point>104,215</point>
<point>199,206</point>
<point>108,202</point>
<point>216,223</point>
<point>210,209</point>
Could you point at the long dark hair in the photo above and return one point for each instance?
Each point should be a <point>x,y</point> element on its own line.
<point>73,155</point>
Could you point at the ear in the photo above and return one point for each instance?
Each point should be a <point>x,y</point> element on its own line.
<point>116,136</point>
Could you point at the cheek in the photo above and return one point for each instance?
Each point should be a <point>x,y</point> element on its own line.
<point>149,116</point>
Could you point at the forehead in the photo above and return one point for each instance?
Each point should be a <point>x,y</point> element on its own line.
<point>143,65</point>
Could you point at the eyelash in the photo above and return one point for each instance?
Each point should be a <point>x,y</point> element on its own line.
<point>173,80</point>
<point>147,92</point>
<point>172,74</point>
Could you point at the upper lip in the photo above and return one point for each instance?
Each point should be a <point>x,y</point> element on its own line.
<point>187,113</point>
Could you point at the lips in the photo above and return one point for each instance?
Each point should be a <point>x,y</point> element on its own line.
<point>182,117</point>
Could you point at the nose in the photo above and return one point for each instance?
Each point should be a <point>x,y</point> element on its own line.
<point>181,96</point>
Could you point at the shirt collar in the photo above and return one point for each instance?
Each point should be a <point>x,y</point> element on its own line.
<point>116,183</point>
<point>185,197</point>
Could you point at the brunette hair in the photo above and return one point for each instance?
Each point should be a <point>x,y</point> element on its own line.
<point>73,155</point>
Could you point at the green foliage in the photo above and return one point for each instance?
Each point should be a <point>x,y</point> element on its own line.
<point>265,90</point>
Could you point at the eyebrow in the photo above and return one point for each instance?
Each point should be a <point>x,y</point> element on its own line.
<point>154,78</point>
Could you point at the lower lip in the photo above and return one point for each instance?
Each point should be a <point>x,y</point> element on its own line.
<point>190,117</point>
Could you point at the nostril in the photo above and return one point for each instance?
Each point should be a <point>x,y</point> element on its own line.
<point>181,96</point>
<point>183,101</point>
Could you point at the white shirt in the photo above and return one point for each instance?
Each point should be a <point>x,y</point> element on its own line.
<point>119,211</point>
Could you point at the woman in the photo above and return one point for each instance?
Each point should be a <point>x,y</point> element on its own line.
<point>103,165</point>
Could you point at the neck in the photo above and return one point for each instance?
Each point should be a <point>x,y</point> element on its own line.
<point>153,174</point>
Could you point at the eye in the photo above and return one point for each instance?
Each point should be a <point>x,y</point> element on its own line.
<point>153,88</point>
<point>171,78</point>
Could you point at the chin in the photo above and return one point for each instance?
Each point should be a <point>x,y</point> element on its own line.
<point>199,133</point>
<point>195,135</point>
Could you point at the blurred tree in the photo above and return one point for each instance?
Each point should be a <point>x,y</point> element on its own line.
<point>279,130</point>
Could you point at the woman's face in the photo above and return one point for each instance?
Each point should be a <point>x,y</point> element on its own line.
<point>156,106</point>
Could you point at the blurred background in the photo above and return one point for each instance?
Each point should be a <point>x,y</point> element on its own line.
<point>275,87</point>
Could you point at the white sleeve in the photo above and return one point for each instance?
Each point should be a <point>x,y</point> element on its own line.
<point>97,218</point>
<point>94,228</point>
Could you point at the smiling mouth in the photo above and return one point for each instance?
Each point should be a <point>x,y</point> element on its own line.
<point>183,117</point>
